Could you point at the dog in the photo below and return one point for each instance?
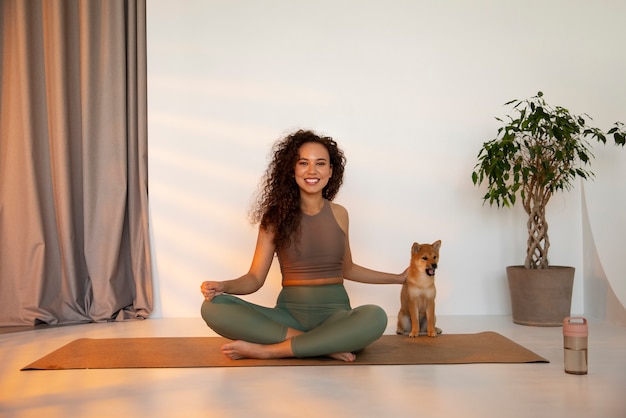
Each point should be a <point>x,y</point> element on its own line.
<point>417,297</point>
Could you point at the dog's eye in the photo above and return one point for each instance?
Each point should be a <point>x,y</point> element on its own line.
<point>424,258</point>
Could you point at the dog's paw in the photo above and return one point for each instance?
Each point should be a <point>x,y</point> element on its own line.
<point>432,334</point>
<point>413,335</point>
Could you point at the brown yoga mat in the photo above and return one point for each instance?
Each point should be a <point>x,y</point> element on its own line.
<point>117,353</point>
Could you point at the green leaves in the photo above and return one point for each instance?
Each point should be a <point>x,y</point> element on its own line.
<point>618,133</point>
<point>537,150</point>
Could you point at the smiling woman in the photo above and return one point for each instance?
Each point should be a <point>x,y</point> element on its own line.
<point>309,234</point>
<point>312,172</point>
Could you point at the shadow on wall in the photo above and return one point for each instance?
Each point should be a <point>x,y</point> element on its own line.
<point>600,300</point>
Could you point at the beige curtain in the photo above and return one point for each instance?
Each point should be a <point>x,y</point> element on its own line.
<point>74,240</point>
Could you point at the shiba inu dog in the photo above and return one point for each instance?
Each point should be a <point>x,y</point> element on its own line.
<point>417,297</point>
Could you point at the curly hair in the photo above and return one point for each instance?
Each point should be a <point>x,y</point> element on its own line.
<point>277,207</point>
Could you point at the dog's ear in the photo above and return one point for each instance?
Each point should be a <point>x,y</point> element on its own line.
<point>415,248</point>
<point>437,245</point>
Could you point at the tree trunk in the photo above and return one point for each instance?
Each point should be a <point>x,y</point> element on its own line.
<point>538,241</point>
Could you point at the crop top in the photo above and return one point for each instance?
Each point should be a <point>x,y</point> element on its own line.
<point>319,252</point>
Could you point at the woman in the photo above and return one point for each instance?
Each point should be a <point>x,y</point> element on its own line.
<point>309,234</point>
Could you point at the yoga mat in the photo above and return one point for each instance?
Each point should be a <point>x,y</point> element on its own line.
<point>115,353</point>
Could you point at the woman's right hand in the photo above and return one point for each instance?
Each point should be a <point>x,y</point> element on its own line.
<point>211,289</point>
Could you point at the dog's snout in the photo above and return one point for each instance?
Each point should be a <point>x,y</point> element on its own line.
<point>433,265</point>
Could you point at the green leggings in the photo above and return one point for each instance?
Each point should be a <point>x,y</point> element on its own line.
<point>322,312</point>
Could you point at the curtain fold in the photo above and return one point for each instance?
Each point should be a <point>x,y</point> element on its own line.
<point>74,234</point>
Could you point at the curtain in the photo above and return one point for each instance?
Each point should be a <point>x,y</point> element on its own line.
<point>74,233</point>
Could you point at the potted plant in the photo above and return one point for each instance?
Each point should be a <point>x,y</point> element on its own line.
<point>539,150</point>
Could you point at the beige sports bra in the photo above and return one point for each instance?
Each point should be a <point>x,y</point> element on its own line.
<point>319,252</point>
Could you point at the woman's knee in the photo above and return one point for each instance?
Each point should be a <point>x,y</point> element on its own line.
<point>210,309</point>
<point>207,311</point>
<point>375,316</point>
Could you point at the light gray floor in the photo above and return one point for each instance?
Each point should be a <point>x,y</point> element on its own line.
<point>476,390</point>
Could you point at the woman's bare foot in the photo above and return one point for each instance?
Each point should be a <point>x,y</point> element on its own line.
<point>238,350</point>
<point>349,357</point>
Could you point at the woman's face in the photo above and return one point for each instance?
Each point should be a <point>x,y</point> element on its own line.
<point>313,169</point>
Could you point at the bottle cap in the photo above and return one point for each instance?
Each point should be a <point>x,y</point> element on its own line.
<point>575,327</point>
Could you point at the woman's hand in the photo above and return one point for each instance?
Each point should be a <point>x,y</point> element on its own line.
<point>404,275</point>
<point>211,289</point>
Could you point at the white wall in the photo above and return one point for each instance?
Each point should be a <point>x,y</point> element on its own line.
<point>409,89</point>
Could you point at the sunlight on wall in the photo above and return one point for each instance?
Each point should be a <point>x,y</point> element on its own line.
<point>201,216</point>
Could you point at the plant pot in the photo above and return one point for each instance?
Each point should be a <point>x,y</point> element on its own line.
<point>540,297</point>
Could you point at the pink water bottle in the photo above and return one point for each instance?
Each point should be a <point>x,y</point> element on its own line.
<point>575,333</point>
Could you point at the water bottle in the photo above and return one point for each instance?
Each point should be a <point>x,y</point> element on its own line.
<point>575,333</point>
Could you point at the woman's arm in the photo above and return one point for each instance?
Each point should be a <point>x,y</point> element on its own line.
<point>355,272</point>
<point>254,278</point>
